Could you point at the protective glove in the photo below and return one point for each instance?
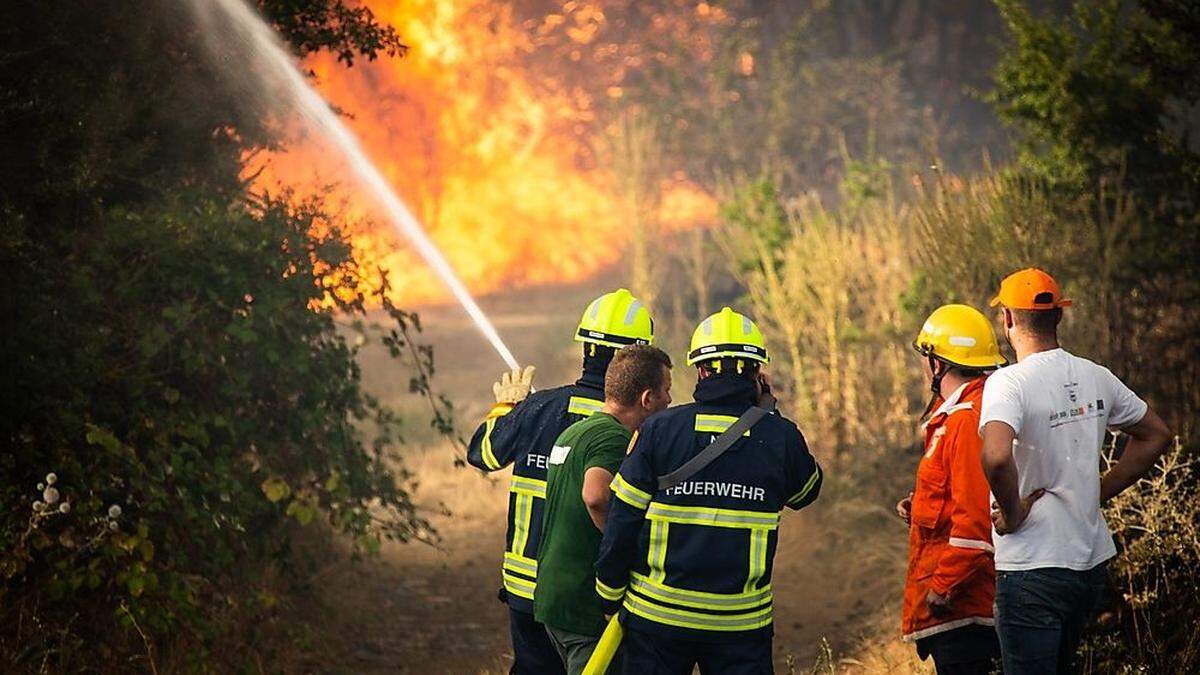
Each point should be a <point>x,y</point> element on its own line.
<point>515,386</point>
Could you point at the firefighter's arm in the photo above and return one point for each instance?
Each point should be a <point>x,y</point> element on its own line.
<point>494,444</point>
<point>806,476</point>
<point>633,487</point>
<point>970,547</point>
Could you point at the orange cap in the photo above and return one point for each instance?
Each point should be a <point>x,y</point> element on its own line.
<point>1029,289</point>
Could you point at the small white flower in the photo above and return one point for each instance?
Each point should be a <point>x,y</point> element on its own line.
<point>112,525</point>
<point>50,494</point>
<point>64,507</point>
<point>41,486</point>
<point>51,478</point>
<point>38,505</point>
<point>114,511</point>
<point>360,341</point>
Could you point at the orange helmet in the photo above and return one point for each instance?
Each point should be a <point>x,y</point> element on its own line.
<point>1030,288</point>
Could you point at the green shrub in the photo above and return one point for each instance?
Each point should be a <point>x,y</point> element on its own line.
<point>183,376</point>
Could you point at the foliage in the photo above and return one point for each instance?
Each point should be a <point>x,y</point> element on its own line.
<point>175,351</point>
<point>191,373</point>
<point>1108,91</point>
<point>774,89</point>
<point>348,30</point>
<point>824,285</point>
<point>840,293</point>
<point>1157,527</point>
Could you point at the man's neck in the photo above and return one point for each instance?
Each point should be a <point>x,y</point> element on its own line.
<point>626,415</point>
<point>950,383</point>
<point>1028,345</point>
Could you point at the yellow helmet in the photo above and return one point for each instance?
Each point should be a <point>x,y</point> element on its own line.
<point>960,335</point>
<point>727,334</point>
<point>616,319</point>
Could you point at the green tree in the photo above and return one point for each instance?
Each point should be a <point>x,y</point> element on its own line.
<point>1105,100</point>
<point>1107,92</point>
<point>175,346</point>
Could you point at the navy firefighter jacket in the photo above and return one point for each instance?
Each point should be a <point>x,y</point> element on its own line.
<point>523,437</point>
<point>694,561</point>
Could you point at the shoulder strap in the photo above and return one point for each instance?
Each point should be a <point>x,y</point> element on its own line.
<point>716,448</point>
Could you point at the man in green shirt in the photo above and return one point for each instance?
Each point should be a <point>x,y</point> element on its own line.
<point>583,462</point>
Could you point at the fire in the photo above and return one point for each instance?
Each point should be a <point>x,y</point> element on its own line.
<point>490,159</point>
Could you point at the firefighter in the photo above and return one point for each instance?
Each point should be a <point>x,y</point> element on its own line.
<point>520,430</point>
<point>689,566</point>
<point>951,580</point>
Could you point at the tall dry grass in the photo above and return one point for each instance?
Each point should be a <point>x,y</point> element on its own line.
<point>840,293</point>
<point>826,287</point>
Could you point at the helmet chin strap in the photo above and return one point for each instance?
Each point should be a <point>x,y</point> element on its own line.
<point>939,371</point>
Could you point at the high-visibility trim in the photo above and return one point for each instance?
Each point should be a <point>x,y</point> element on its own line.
<point>609,339</point>
<point>523,512</point>
<point>629,494</point>
<point>489,457</point>
<point>581,405</point>
<point>608,592</point>
<point>812,482</point>
<point>716,424</point>
<point>660,592</point>
<point>702,515</point>
<point>656,554</point>
<point>500,410</point>
<point>731,349</point>
<point>521,564</point>
<point>524,485</point>
<point>949,625</point>
<point>972,543</point>
<point>518,586</point>
<point>758,557</point>
<point>673,616</point>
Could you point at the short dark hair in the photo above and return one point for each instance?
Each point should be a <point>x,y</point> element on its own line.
<point>633,370</point>
<point>1038,321</point>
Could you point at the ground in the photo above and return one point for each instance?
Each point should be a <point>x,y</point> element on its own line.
<point>420,608</point>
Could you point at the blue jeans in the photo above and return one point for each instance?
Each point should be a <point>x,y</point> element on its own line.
<point>1041,614</point>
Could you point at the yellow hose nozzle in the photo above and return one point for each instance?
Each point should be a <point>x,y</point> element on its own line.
<point>606,649</point>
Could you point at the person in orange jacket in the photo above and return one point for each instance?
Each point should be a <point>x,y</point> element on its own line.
<point>951,580</point>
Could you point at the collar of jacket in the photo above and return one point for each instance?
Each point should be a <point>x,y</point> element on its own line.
<point>725,390</point>
<point>953,401</point>
<point>595,366</point>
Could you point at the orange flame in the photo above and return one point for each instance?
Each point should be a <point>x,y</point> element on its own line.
<point>491,164</point>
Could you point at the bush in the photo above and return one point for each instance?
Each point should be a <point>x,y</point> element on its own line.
<point>1157,527</point>
<point>193,398</point>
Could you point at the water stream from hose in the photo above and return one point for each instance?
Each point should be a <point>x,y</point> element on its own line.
<point>272,62</point>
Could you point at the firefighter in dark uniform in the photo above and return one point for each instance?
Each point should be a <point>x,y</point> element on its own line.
<point>690,566</point>
<point>520,430</point>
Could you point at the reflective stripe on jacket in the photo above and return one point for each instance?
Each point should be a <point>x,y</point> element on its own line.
<point>694,561</point>
<point>523,436</point>
<point>950,538</point>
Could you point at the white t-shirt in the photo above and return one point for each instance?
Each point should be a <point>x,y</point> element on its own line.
<point>1059,405</point>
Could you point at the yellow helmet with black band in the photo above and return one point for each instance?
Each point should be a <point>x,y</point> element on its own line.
<point>727,334</point>
<point>616,319</point>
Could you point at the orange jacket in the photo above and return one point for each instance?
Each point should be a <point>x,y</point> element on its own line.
<point>950,539</point>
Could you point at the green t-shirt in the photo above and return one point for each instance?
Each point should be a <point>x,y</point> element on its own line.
<point>566,590</point>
